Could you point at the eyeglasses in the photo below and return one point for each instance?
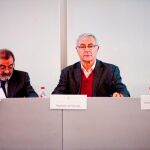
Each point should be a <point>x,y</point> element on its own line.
<point>88,46</point>
<point>3,67</point>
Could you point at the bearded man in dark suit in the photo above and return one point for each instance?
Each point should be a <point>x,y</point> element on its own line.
<point>91,76</point>
<point>13,82</point>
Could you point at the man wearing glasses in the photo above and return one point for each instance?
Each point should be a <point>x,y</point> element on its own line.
<point>13,83</point>
<point>90,76</point>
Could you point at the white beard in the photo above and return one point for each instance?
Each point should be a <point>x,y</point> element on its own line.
<point>5,78</point>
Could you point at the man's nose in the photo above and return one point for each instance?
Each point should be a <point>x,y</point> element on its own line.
<point>87,48</point>
<point>6,71</point>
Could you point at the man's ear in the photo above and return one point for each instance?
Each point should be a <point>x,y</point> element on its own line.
<point>76,49</point>
<point>98,48</point>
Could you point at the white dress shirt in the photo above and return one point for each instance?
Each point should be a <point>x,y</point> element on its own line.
<point>88,72</point>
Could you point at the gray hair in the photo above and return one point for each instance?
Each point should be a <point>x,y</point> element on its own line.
<point>86,35</point>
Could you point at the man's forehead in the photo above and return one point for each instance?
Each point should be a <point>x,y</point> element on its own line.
<point>87,40</point>
<point>8,61</point>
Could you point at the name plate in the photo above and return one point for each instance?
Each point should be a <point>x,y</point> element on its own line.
<point>68,102</point>
<point>145,102</point>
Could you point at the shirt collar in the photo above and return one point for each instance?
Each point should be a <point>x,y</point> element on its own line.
<point>92,68</point>
<point>88,72</point>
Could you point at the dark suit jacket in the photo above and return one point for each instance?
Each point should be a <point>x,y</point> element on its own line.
<point>107,80</point>
<point>19,85</point>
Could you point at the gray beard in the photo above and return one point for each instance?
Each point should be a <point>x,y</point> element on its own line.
<point>5,78</point>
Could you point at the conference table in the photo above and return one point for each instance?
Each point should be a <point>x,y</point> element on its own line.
<point>106,124</point>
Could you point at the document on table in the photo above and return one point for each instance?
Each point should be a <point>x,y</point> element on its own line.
<point>2,94</point>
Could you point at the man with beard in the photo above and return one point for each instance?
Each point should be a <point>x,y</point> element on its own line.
<point>13,82</point>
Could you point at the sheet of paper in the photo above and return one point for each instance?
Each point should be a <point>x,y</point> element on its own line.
<point>2,94</point>
<point>68,102</point>
<point>145,102</point>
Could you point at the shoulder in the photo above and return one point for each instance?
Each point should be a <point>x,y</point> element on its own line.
<point>72,67</point>
<point>19,75</point>
<point>106,66</point>
<point>18,72</point>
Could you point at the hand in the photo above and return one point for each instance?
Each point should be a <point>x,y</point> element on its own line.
<point>116,94</point>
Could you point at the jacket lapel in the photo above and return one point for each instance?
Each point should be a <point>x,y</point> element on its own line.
<point>11,87</point>
<point>98,71</point>
<point>77,77</point>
